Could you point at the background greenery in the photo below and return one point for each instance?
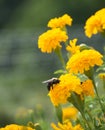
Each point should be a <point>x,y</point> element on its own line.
<point>22,66</point>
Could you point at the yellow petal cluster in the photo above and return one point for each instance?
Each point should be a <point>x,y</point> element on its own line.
<point>51,39</point>
<point>66,126</point>
<point>72,48</point>
<point>60,22</point>
<point>69,113</point>
<point>16,127</point>
<point>88,88</point>
<point>95,23</point>
<point>60,93</point>
<point>82,61</point>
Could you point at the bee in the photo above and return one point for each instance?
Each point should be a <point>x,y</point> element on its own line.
<point>50,82</point>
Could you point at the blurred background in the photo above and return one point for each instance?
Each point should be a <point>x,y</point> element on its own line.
<point>22,66</point>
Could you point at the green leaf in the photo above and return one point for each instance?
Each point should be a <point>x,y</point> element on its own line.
<point>75,99</point>
<point>82,77</point>
<point>84,47</point>
<point>101,68</point>
<point>60,71</point>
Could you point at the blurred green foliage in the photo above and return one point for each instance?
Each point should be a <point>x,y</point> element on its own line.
<point>22,69</point>
<point>36,13</point>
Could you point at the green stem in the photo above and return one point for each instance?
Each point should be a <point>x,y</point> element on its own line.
<point>60,56</point>
<point>90,116</point>
<point>59,113</point>
<point>83,116</point>
<point>90,74</point>
<point>102,108</point>
<point>32,117</point>
<point>67,42</point>
<point>79,104</point>
<point>104,83</point>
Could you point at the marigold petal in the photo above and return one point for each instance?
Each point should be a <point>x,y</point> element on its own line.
<point>67,125</point>
<point>60,22</point>
<point>16,127</point>
<point>82,61</point>
<point>51,39</point>
<point>95,23</point>
<point>72,48</point>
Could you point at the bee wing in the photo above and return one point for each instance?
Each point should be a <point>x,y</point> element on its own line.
<point>49,80</point>
<point>46,81</point>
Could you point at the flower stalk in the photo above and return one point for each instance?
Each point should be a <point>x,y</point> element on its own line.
<point>90,74</point>
<point>98,97</point>
<point>79,104</point>
<point>60,56</point>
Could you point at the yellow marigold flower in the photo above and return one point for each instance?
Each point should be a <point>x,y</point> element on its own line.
<point>66,126</point>
<point>60,92</point>
<point>16,127</point>
<point>82,61</point>
<point>88,88</point>
<point>60,22</point>
<point>95,23</point>
<point>72,48</point>
<point>69,113</point>
<point>51,39</point>
<point>102,76</point>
